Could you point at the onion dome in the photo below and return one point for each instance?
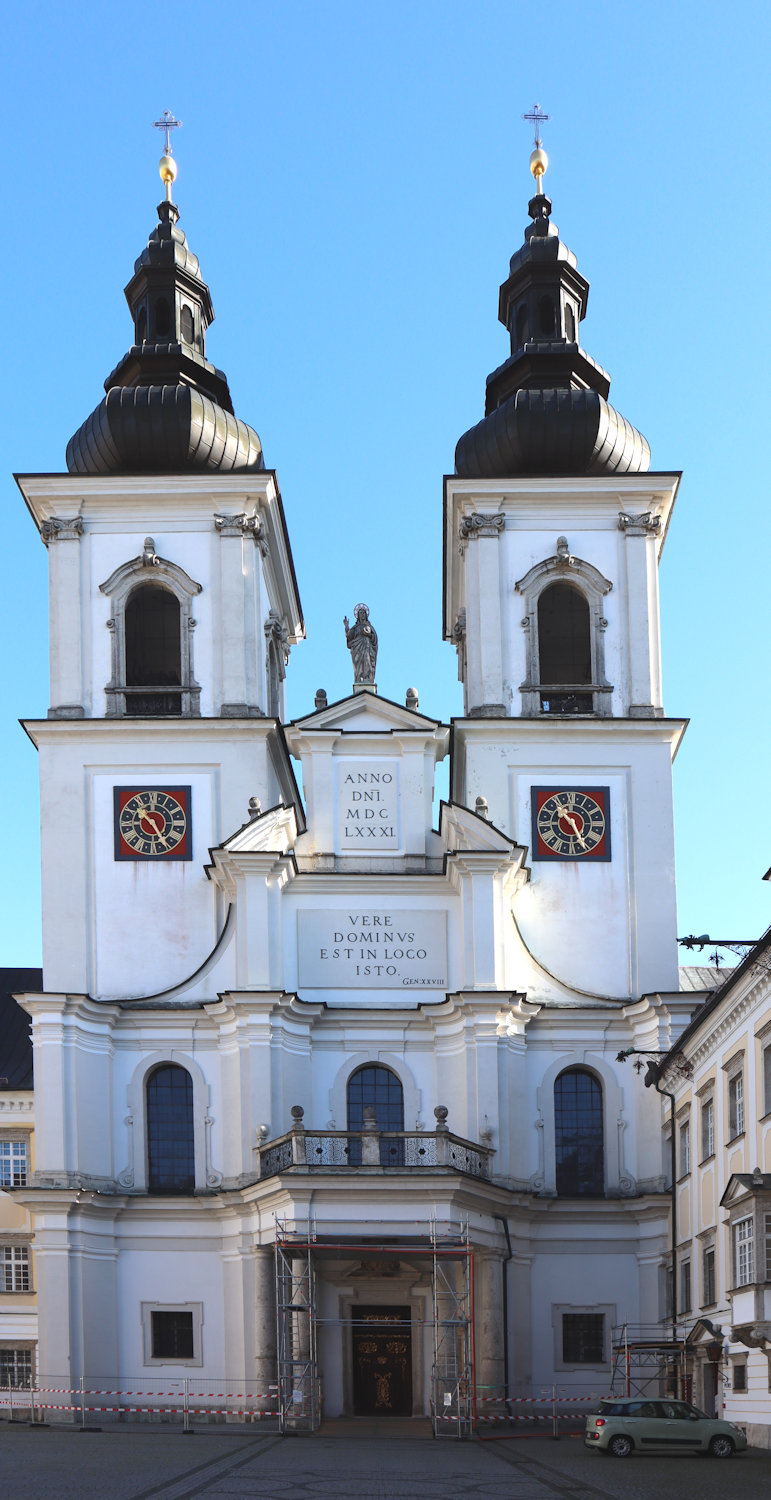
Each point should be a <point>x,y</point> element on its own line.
<point>167,409</point>
<point>546,407</point>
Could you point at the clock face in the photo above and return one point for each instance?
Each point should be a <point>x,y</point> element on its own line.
<point>153,822</point>
<point>571,822</point>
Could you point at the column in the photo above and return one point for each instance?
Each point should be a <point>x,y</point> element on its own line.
<point>62,538</point>
<point>264,1318</point>
<point>490,1364</point>
<point>485,693</point>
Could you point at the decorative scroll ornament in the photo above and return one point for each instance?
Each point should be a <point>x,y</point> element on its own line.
<point>477,525</point>
<point>646,524</point>
<point>60,530</point>
<point>243,525</point>
<point>276,631</point>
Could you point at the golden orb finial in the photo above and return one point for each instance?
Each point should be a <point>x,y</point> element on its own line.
<point>168,170</point>
<point>539,161</point>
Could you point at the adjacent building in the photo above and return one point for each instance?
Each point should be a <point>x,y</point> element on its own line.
<point>720,1076</point>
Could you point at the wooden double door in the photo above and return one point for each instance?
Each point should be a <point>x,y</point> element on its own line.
<point>382,1361</point>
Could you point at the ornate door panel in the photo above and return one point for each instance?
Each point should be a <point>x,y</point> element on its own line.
<point>382,1361</point>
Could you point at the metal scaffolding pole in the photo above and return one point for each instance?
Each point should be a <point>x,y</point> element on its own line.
<point>452,1376</point>
<point>298,1382</point>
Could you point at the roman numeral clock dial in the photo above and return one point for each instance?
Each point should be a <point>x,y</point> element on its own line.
<point>571,822</point>
<point>153,823</point>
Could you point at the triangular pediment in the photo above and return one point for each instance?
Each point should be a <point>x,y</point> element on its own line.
<point>363,713</point>
<point>741,1183</point>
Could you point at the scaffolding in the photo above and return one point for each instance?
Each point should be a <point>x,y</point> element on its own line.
<point>648,1362</point>
<point>446,1243</point>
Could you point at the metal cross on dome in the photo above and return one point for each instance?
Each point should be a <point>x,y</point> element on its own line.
<point>167,123</point>
<point>536,118</point>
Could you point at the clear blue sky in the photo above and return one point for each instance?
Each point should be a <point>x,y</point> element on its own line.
<point>354,179</point>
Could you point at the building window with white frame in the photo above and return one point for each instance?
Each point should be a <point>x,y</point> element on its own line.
<point>685,1148</point>
<point>744,1251</point>
<point>708,1285</point>
<point>767,1246</point>
<point>767,1080</point>
<point>736,1105</point>
<point>13,1164</point>
<point>172,1333</point>
<point>14,1268</point>
<point>707,1129</point>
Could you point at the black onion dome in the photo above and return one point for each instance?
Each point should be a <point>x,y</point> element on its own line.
<point>167,409</point>
<point>546,407</point>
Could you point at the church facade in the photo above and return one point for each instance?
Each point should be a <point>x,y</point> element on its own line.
<point>327,1097</point>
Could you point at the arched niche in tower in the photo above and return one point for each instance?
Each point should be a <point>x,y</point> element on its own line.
<point>151,632</point>
<point>565,625</point>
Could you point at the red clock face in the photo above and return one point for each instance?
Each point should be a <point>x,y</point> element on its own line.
<point>571,822</point>
<point>153,823</point>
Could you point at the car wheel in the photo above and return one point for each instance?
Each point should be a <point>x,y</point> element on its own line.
<point>622,1446</point>
<point>721,1447</point>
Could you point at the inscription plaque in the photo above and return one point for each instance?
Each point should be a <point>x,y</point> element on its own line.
<point>373,949</point>
<point>368,807</point>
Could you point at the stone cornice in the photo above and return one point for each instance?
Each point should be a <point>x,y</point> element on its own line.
<point>722,1023</point>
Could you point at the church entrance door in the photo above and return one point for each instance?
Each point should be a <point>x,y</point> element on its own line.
<point>382,1361</point>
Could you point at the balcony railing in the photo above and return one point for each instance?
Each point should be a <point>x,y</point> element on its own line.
<point>302,1150</point>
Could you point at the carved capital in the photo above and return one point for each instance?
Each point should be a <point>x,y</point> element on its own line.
<point>58,529</point>
<point>646,524</point>
<point>242,525</point>
<point>459,628</point>
<point>477,525</point>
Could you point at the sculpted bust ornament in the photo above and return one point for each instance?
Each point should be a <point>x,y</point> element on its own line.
<point>361,640</point>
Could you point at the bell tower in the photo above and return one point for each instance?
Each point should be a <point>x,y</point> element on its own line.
<point>173,609</point>
<point>554,527</point>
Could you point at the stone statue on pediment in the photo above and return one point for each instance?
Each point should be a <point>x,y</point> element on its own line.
<point>361,640</point>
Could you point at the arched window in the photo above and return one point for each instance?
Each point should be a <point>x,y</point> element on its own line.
<point>170,1130</point>
<point>523,325</point>
<point>187,326</point>
<point>153,654</point>
<point>141,325</point>
<point>151,638</point>
<point>579,1134</point>
<point>565,647</point>
<point>378,1088</point>
<point>570,324</point>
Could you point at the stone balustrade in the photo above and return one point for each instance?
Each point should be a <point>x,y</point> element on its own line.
<point>372,1149</point>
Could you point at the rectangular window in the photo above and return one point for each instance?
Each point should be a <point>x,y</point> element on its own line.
<point>685,1149</point>
<point>707,1129</point>
<point>16,1368</point>
<point>172,1335</point>
<point>736,1105</point>
<point>744,1252</point>
<point>767,1080</point>
<point>14,1268</point>
<point>740,1377</point>
<point>13,1164</point>
<point>583,1338</point>
<point>768,1247</point>
<point>708,1289</point>
<point>685,1286</point>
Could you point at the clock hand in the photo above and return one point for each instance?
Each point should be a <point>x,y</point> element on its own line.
<point>151,817</point>
<point>572,822</point>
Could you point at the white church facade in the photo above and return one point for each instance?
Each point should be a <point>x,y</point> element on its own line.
<point>325,1096</point>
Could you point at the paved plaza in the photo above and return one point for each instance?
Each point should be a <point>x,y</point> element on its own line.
<point>372,1461</point>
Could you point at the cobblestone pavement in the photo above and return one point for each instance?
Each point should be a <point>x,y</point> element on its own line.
<point>151,1465</point>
